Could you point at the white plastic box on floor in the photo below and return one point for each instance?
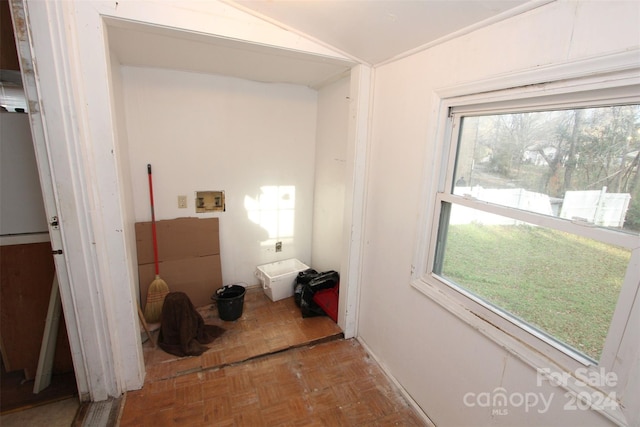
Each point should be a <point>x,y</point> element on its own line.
<point>278,278</point>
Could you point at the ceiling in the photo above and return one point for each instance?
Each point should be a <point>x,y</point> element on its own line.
<point>373,31</point>
<point>366,31</point>
<point>158,47</point>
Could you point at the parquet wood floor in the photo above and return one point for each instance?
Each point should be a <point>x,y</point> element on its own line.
<point>270,368</point>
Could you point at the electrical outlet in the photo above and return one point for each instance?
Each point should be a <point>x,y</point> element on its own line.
<point>278,246</point>
<point>182,202</point>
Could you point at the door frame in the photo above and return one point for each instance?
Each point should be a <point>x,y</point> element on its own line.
<point>101,349</point>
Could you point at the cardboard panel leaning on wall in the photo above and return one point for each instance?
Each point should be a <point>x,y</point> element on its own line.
<point>188,254</point>
<point>178,239</point>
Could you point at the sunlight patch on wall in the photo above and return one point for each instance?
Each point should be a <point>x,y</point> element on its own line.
<point>273,210</point>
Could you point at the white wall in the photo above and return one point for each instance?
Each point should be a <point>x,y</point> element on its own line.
<point>436,357</point>
<point>205,132</point>
<point>21,204</point>
<point>330,179</point>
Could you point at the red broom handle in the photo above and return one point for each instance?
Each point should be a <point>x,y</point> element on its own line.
<point>153,223</point>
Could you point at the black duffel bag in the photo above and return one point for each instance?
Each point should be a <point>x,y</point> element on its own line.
<point>326,280</point>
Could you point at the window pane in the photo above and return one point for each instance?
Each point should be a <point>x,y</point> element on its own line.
<point>574,164</point>
<point>563,285</point>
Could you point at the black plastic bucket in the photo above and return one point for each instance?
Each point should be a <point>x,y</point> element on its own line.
<point>230,301</point>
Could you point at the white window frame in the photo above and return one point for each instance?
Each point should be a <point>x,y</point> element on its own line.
<point>580,83</point>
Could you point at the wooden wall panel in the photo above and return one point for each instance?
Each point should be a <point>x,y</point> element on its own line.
<point>8,51</point>
<point>26,275</point>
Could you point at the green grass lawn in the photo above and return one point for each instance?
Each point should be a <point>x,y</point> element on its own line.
<point>564,285</point>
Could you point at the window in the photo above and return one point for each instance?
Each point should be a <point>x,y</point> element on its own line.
<point>538,213</point>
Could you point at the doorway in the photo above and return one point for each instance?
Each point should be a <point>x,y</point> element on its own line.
<point>26,261</point>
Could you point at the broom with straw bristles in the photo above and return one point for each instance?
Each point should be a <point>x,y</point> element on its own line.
<point>158,289</point>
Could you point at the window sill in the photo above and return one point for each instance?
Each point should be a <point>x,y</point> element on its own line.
<point>520,344</point>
